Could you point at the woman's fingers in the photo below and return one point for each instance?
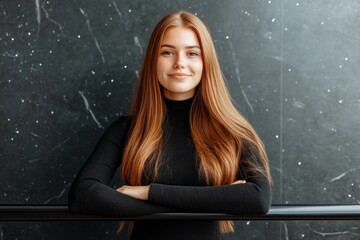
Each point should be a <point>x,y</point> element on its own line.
<point>138,192</point>
<point>239,182</point>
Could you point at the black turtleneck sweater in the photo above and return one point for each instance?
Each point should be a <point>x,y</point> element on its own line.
<point>178,187</point>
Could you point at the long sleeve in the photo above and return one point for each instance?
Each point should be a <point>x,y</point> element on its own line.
<point>90,193</point>
<point>253,197</point>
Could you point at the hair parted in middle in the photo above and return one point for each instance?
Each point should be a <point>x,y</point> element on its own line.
<point>218,130</point>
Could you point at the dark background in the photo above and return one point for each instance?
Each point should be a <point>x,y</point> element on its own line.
<point>67,70</point>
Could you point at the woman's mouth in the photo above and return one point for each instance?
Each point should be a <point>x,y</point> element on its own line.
<point>179,75</point>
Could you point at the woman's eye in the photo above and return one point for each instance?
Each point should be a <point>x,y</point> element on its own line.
<point>193,54</point>
<point>166,53</point>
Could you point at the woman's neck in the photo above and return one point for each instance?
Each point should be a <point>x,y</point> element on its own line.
<point>178,110</point>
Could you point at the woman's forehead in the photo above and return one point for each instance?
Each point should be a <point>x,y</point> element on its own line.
<point>180,37</point>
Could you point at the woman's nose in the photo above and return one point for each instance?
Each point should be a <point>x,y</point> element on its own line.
<point>179,63</point>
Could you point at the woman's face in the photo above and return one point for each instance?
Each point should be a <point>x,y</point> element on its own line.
<point>179,64</point>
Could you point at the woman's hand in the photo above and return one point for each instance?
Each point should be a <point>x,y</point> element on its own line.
<point>138,192</point>
<point>239,182</point>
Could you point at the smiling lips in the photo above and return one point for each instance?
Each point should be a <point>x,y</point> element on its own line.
<point>179,75</point>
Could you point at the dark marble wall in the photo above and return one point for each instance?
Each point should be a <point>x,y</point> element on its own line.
<point>67,69</point>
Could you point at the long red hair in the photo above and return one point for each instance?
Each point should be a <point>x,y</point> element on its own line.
<point>218,130</point>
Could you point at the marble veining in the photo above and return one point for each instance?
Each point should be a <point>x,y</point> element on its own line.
<point>87,106</point>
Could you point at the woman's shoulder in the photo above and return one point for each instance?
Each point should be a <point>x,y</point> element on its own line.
<point>122,120</point>
<point>121,123</point>
<point>119,127</point>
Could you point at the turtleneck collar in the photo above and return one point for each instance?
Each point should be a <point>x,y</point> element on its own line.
<point>178,110</point>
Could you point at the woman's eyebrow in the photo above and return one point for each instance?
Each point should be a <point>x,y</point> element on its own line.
<point>171,46</point>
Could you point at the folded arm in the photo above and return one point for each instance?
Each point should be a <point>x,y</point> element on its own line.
<point>90,193</point>
<point>252,197</point>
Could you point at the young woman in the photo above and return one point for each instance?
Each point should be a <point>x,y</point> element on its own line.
<point>183,147</point>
